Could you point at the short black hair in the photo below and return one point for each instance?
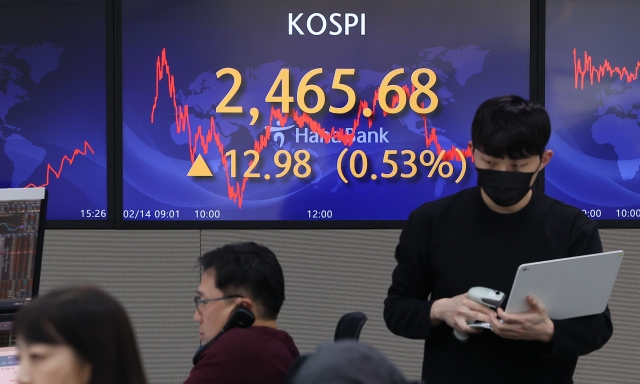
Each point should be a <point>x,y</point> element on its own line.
<point>511,126</point>
<point>93,324</point>
<point>248,267</point>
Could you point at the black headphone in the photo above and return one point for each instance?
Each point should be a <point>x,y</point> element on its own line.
<point>240,318</point>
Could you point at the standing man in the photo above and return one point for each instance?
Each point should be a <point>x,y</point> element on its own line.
<point>479,237</point>
<point>244,275</point>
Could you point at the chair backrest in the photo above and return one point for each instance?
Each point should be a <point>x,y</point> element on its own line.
<point>350,325</point>
<point>295,367</point>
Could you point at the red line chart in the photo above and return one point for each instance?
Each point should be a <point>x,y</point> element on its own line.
<point>65,159</point>
<point>235,190</point>
<point>584,67</point>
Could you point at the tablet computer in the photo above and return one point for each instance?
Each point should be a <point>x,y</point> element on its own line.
<point>570,287</point>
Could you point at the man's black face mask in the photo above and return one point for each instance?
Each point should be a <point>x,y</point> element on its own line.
<point>503,187</point>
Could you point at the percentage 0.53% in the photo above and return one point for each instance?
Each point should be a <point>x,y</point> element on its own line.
<point>359,164</point>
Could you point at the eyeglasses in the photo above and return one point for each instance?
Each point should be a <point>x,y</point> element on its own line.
<point>199,301</point>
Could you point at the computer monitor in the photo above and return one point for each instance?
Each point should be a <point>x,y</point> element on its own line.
<point>22,222</point>
<point>7,336</point>
<point>8,365</point>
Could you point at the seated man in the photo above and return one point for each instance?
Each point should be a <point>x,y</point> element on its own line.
<point>241,275</point>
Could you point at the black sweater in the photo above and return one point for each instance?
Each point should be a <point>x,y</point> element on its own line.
<point>456,243</point>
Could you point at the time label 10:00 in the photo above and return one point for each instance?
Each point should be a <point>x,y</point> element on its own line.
<point>283,80</point>
<point>628,213</point>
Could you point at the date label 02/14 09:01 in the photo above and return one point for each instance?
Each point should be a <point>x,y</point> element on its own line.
<point>150,214</point>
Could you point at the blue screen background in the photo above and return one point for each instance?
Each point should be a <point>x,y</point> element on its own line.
<point>53,104</point>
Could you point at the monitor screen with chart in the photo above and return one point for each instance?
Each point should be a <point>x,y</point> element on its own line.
<point>22,215</point>
<point>54,129</point>
<point>251,111</point>
<point>592,93</point>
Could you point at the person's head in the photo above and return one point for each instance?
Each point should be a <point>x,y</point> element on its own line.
<point>77,335</point>
<point>344,362</point>
<point>240,274</point>
<point>510,126</point>
<point>509,135</point>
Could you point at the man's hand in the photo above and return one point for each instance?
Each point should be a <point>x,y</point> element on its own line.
<point>532,325</point>
<point>457,310</point>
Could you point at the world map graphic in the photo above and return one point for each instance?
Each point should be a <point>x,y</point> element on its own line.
<point>21,69</point>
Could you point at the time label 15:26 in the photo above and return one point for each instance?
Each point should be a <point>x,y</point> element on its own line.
<point>93,213</point>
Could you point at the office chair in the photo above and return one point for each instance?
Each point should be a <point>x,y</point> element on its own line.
<point>350,325</point>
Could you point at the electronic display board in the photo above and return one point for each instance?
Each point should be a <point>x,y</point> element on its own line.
<point>593,98</point>
<point>53,113</point>
<point>293,111</point>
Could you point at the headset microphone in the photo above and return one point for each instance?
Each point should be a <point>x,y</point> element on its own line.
<point>240,318</point>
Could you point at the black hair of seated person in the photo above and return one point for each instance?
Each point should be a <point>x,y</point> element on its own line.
<point>93,324</point>
<point>248,268</point>
<point>512,126</point>
<point>344,362</point>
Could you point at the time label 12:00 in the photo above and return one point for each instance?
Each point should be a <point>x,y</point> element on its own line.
<point>320,213</point>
